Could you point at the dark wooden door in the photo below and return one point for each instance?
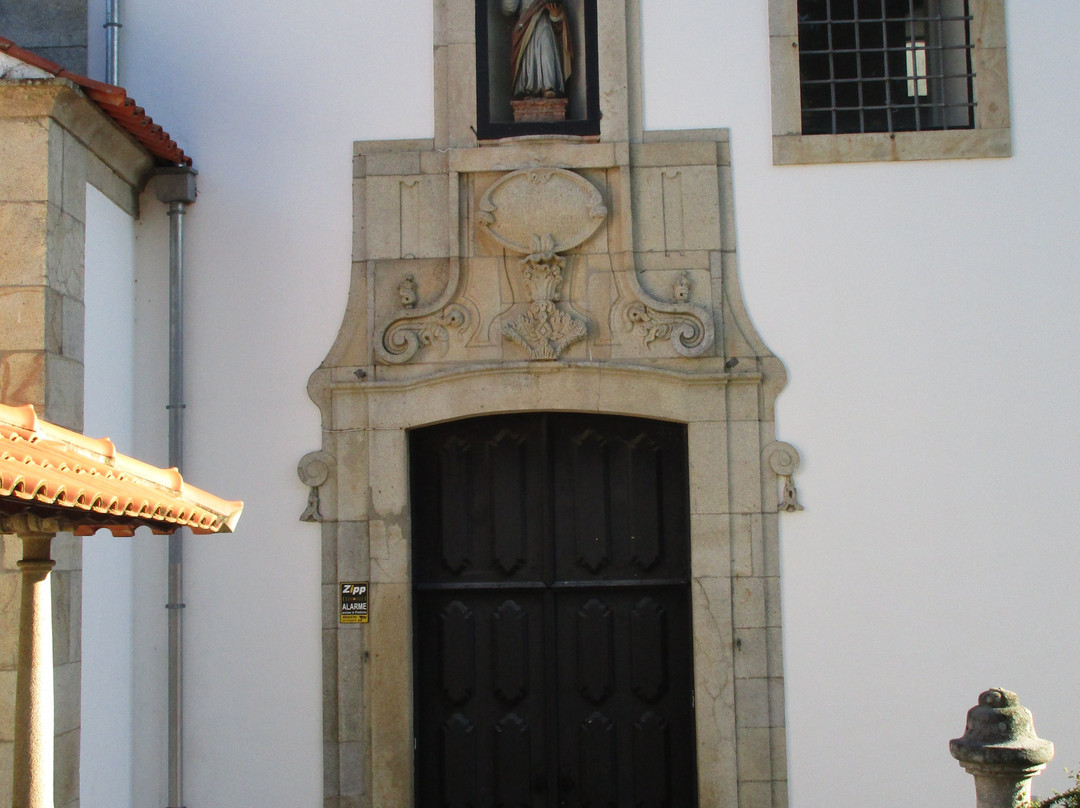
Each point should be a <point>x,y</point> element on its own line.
<point>552,658</point>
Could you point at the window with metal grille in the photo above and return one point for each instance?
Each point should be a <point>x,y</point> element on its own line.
<point>885,65</point>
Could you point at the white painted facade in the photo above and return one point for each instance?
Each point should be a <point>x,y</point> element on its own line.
<point>108,663</point>
<point>924,312</point>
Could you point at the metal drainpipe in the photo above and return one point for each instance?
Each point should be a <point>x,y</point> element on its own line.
<point>176,186</point>
<point>112,42</point>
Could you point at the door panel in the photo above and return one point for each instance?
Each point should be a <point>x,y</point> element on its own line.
<point>620,499</point>
<point>624,705</point>
<point>551,613</point>
<point>478,501</point>
<point>480,699</point>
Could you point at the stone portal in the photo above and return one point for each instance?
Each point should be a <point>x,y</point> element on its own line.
<point>561,272</point>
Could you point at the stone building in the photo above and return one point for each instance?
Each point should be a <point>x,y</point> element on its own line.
<point>545,488</point>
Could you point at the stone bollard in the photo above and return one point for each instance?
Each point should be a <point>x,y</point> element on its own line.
<point>1001,751</point>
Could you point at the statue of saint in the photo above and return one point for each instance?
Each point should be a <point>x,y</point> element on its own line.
<point>540,48</point>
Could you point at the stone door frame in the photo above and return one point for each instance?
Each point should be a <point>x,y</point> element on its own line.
<point>363,500</point>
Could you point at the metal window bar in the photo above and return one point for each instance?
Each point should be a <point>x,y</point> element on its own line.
<point>832,75</point>
<point>859,87</point>
<point>888,84</point>
<point>916,30</point>
<point>940,29</point>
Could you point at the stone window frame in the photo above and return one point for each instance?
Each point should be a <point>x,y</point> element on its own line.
<point>991,136</point>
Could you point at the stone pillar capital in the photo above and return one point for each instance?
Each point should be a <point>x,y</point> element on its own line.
<point>30,526</point>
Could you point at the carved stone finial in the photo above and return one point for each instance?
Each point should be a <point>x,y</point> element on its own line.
<point>1000,750</point>
<point>407,292</point>
<point>314,470</point>
<point>789,500</point>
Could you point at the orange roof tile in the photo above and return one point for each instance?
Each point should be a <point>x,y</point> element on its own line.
<point>114,102</point>
<point>46,468</point>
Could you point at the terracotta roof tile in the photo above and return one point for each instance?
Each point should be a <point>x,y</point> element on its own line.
<point>114,102</point>
<point>46,466</point>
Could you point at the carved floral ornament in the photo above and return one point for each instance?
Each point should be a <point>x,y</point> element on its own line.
<point>544,330</point>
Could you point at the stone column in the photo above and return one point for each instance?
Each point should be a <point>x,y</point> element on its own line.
<point>1001,751</point>
<point>33,763</point>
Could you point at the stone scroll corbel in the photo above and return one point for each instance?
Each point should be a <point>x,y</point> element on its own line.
<point>783,459</point>
<point>420,326</point>
<point>314,470</point>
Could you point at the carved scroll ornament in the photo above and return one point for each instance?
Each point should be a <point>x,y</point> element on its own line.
<point>314,470</point>
<point>688,327</point>
<point>403,338</point>
<point>421,326</point>
<point>783,459</point>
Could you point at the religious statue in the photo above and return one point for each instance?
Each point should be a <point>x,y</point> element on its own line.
<point>540,48</point>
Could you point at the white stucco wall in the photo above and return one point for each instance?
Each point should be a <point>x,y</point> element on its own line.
<point>107,575</point>
<point>925,313</point>
<point>150,561</point>
<point>124,644</point>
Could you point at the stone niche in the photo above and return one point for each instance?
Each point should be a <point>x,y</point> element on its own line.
<point>576,112</point>
<point>549,274</point>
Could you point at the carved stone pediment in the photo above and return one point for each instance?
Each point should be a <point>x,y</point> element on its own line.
<point>532,219</point>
